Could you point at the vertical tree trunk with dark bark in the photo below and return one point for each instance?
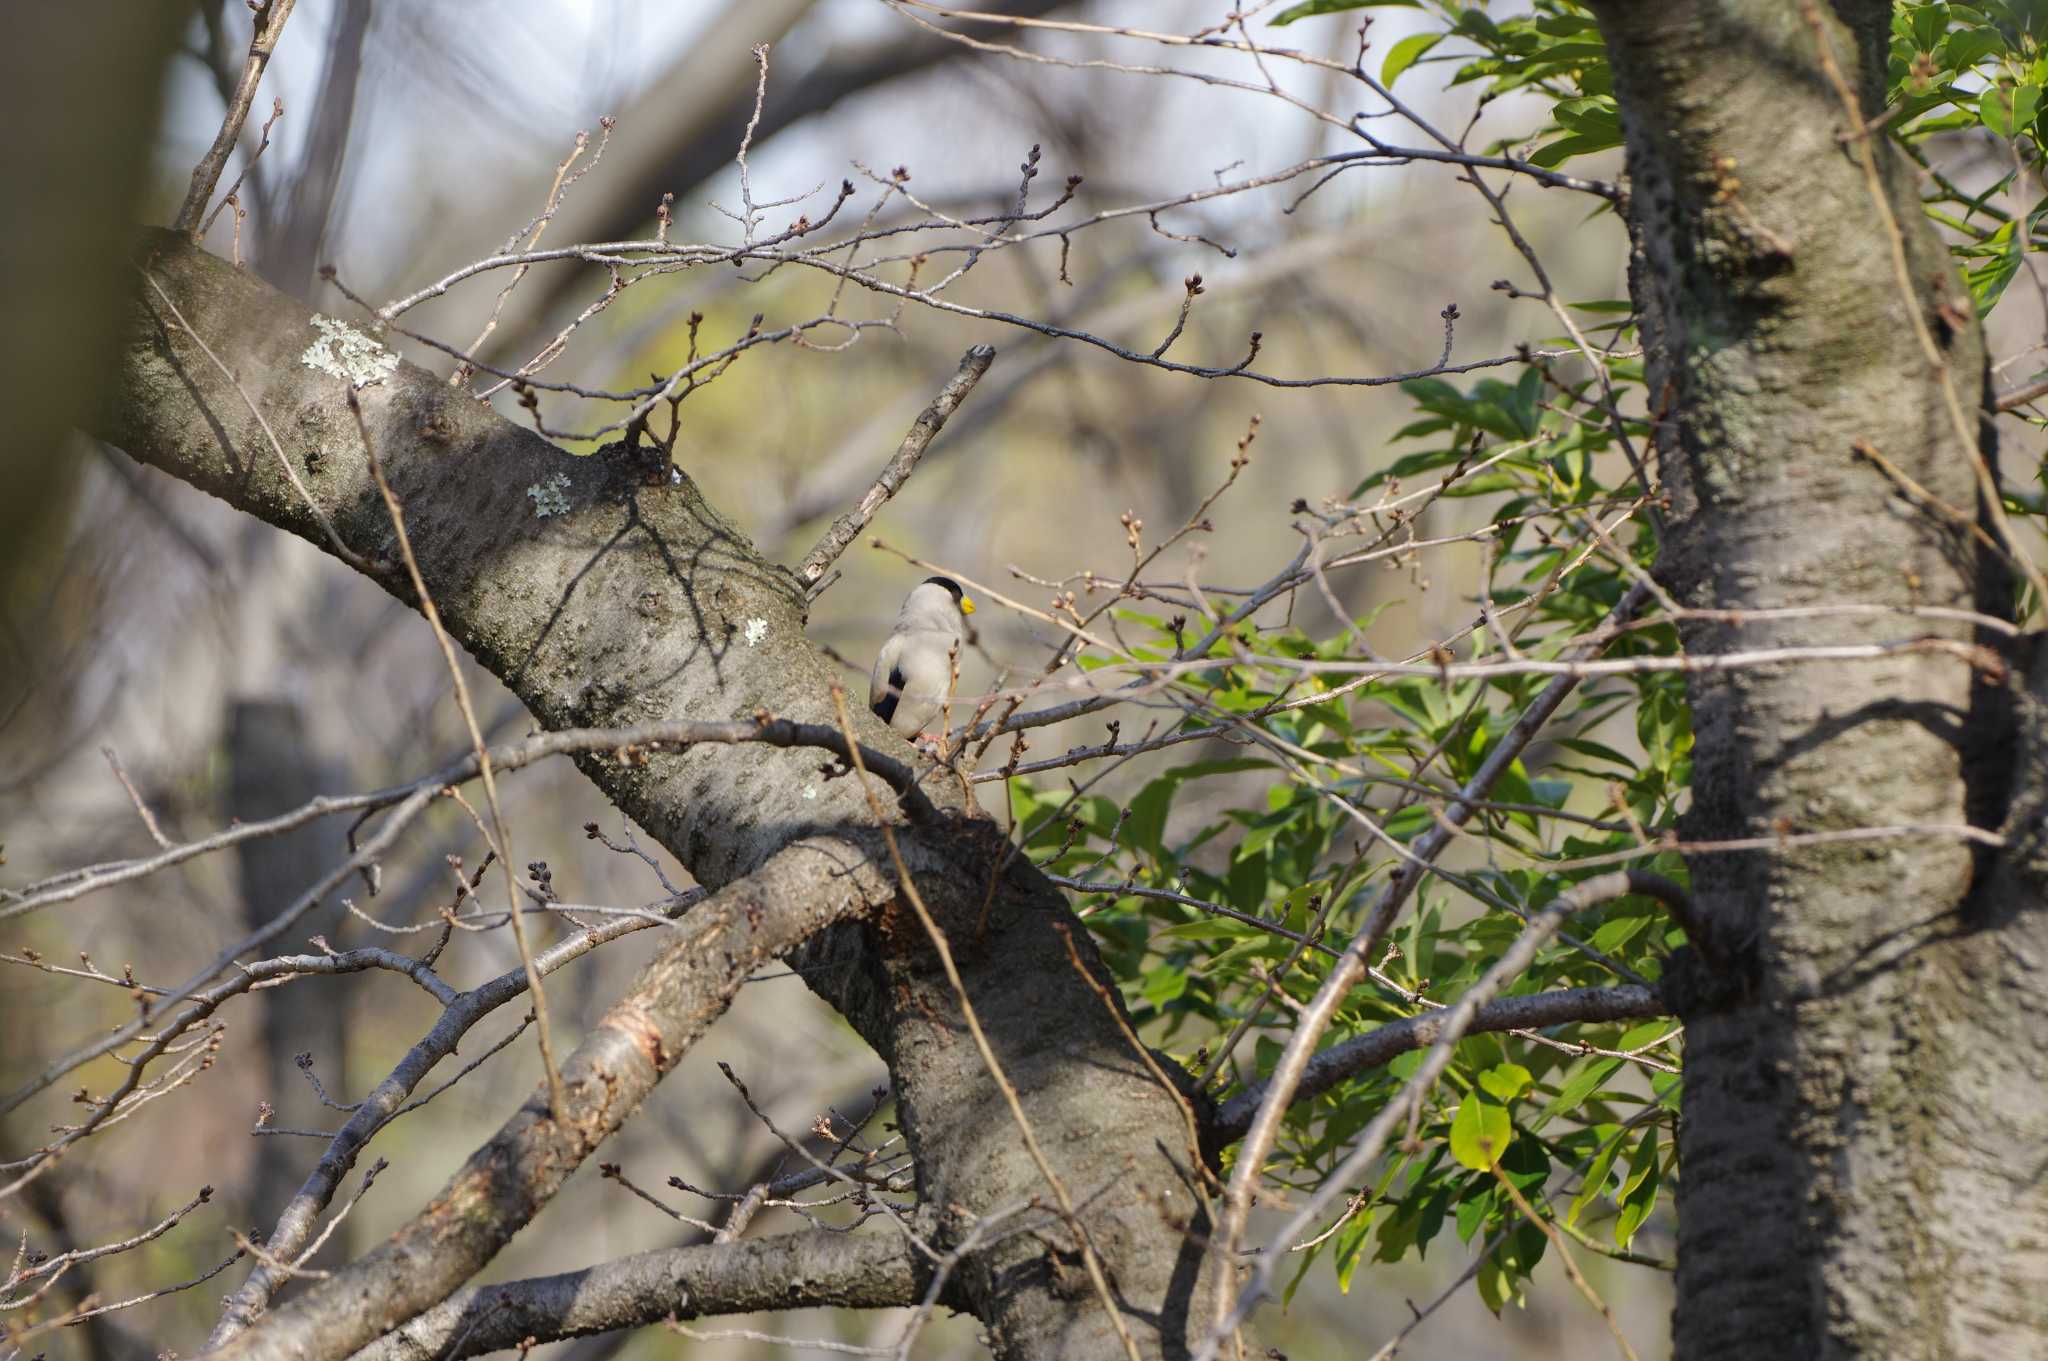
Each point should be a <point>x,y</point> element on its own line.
<point>1866,1093</point>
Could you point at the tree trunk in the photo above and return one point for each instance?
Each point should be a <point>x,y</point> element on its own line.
<point>1866,1076</point>
<point>273,769</point>
<point>602,601</point>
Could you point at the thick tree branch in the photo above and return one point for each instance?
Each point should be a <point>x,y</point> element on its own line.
<point>604,602</point>
<point>504,1184</point>
<point>295,1224</point>
<point>791,1271</point>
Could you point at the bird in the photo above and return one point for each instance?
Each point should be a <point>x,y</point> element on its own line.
<point>914,670</point>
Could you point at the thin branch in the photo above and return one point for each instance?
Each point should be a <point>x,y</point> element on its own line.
<point>1456,1022</point>
<point>929,422</point>
<point>270,17</point>
<point>156,833</point>
<point>1377,1047</point>
<point>262,145</point>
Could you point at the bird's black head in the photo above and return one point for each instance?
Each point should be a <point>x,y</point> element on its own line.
<point>952,586</point>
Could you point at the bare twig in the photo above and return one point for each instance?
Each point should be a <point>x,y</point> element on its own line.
<point>929,422</point>
<point>270,17</point>
<point>156,833</point>
<point>262,145</point>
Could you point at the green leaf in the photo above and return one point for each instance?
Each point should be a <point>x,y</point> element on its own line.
<point>1966,47</point>
<point>1596,1180</point>
<point>1551,155</point>
<point>1165,984</point>
<point>1506,1081</point>
<point>1475,1210</point>
<point>1405,53</point>
<point>1616,933</point>
<point>1577,1088</point>
<point>1999,260</point>
<point>1636,1036</point>
<point>1496,1286</point>
<point>1642,1164</point>
<point>1147,821</point>
<point>1640,1195</point>
<point>2008,110</point>
<point>1479,1132</point>
<point>1525,1164</point>
<point>1350,1247</point>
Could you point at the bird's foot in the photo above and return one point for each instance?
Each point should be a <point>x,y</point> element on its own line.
<point>930,744</point>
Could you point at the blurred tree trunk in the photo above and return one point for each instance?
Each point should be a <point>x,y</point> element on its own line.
<point>685,129</point>
<point>1866,1091</point>
<point>298,209</point>
<point>74,187</point>
<point>271,770</point>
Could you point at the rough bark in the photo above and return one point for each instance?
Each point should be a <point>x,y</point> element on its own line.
<point>638,602</point>
<point>788,1271</point>
<point>1865,1119</point>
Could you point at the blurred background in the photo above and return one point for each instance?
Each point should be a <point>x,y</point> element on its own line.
<point>235,672</point>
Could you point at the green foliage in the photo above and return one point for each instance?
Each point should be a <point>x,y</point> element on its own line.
<point>1553,51</point>
<point>1226,882</point>
<point>1213,874</point>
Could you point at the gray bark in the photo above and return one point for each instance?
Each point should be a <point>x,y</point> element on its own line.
<point>636,604</point>
<point>788,1271</point>
<point>1866,1093</point>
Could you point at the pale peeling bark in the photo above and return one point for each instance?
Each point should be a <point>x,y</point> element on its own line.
<point>627,602</point>
<point>1866,1093</point>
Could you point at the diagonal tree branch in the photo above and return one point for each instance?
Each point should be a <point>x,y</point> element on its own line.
<point>270,18</point>
<point>604,602</point>
<point>923,431</point>
<point>1380,1045</point>
<point>789,1271</point>
<point>677,996</point>
<point>297,1221</point>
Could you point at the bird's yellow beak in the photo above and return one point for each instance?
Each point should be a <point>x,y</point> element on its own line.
<point>966,604</point>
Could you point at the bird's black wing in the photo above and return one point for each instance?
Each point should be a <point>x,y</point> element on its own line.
<point>885,703</point>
